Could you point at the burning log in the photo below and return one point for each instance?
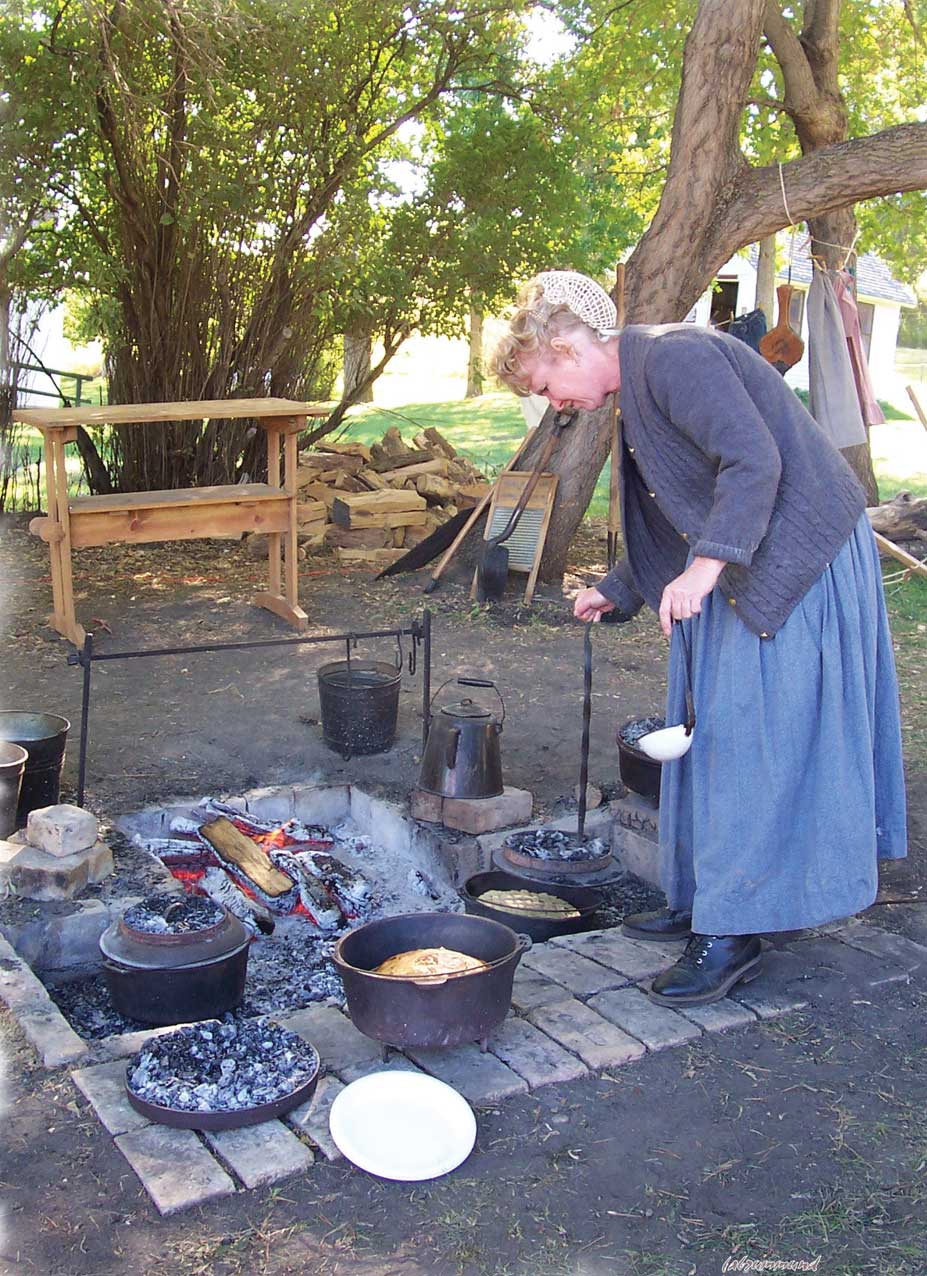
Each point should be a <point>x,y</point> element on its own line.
<point>350,888</point>
<point>233,847</point>
<point>313,896</point>
<point>216,883</point>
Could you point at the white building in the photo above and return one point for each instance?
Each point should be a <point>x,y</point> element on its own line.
<point>879,297</point>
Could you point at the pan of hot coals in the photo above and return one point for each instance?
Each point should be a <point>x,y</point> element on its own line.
<point>222,1074</point>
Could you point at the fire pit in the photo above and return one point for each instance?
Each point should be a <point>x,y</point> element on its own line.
<point>220,1075</point>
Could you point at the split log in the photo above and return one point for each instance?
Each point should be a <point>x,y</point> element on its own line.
<point>347,449</point>
<point>233,847</point>
<point>346,508</point>
<point>398,518</point>
<point>435,489</point>
<point>432,438</point>
<point>311,512</point>
<point>312,464</point>
<point>382,461</point>
<point>401,474</point>
<point>375,559</point>
<point>372,480</point>
<point>358,537</point>
<point>470,494</point>
<point>903,518</point>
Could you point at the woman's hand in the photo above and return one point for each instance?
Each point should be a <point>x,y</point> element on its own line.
<point>683,596</point>
<point>590,604</point>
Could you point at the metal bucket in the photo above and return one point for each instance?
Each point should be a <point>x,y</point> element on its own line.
<point>44,737</point>
<point>12,764</point>
<point>360,704</point>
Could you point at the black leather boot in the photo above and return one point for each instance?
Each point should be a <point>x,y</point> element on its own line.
<point>708,970</point>
<point>664,923</point>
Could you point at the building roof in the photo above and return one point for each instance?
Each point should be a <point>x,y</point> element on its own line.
<point>873,277</point>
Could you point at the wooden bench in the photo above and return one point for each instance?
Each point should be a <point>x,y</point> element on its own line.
<point>75,522</point>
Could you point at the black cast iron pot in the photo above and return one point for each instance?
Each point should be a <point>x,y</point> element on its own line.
<point>167,979</point>
<point>583,898</point>
<point>638,771</point>
<point>437,1010</point>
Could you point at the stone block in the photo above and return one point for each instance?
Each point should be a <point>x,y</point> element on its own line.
<point>321,803</point>
<point>485,815</point>
<point>62,830</point>
<point>620,953</point>
<point>580,976</point>
<point>104,1087</point>
<point>534,1055</point>
<point>338,1042</point>
<point>577,1027</point>
<point>274,803</point>
<point>386,822</point>
<point>656,1026</point>
<point>776,990</point>
<point>311,1118</point>
<point>719,1016</point>
<point>123,1044</point>
<point>480,1078</point>
<point>260,1154</point>
<point>637,854</point>
<point>51,1035</point>
<point>8,852</point>
<point>176,1170</point>
<point>37,875</point>
<point>531,989</point>
<point>897,950</point>
<point>426,806</point>
<point>395,1063</point>
<point>832,968</point>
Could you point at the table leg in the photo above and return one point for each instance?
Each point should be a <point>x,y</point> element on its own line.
<point>273,540</point>
<point>72,629</point>
<point>286,607</point>
<point>56,619</point>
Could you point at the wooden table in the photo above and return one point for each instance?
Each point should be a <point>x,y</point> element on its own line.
<point>181,514</point>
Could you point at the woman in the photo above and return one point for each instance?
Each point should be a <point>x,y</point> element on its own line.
<point>743,524</point>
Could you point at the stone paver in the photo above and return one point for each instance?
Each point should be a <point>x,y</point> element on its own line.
<point>530,990</point>
<point>176,1170</point>
<point>770,994</point>
<point>261,1153</point>
<point>579,975</point>
<point>338,1042</point>
<point>828,968</point>
<point>395,1063</point>
<point>126,1043</point>
<point>656,1026</point>
<point>38,1016</point>
<point>598,1043</point>
<point>480,1078</point>
<point>636,960</point>
<point>886,945</point>
<point>104,1087</point>
<point>719,1016</point>
<point>533,1055</point>
<point>312,1117</point>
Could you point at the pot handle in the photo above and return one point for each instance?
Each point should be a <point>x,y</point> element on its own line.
<point>453,740</point>
<point>489,685</point>
<point>524,942</point>
<point>431,981</point>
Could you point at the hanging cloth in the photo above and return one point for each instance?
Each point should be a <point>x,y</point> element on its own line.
<point>849,313</point>
<point>834,403</point>
<point>749,328</point>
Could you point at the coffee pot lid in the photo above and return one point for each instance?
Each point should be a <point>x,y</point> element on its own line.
<point>465,709</point>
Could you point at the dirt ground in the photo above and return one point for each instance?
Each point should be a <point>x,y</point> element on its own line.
<point>789,1140</point>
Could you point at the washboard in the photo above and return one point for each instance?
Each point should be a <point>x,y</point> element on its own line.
<point>526,544</point>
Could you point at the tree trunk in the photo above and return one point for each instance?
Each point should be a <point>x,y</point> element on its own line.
<point>766,279</point>
<point>715,203</point>
<point>357,365</point>
<point>475,360</point>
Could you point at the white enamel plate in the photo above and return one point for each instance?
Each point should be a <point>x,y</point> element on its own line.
<point>403,1125</point>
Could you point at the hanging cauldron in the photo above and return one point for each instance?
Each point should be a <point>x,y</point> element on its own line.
<point>462,758</point>
<point>168,978</point>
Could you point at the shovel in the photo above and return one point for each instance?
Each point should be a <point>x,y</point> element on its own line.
<point>493,567</point>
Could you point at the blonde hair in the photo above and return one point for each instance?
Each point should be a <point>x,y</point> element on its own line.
<point>534,324</point>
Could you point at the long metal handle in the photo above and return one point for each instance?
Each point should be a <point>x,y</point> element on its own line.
<point>687,667</point>
<point>587,717</point>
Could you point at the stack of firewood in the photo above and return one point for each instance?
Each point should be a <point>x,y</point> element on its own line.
<point>371,504</point>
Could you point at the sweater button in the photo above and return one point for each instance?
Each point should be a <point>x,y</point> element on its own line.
<point>653,494</point>
<point>631,450</point>
<point>764,635</point>
<point>685,536</point>
<point>732,601</point>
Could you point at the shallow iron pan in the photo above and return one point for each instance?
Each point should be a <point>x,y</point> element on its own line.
<point>583,898</point>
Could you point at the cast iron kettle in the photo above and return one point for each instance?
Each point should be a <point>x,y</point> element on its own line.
<point>462,758</point>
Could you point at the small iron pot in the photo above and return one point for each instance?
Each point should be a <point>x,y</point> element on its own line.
<point>583,898</point>
<point>639,772</point>
<point>433,1010</point>
<point>167,979</point>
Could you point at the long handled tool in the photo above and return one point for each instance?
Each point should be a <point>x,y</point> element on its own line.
<point>470,519</point>
<point>614,503</point>
<point>493,565</point>
<point>587,717</point>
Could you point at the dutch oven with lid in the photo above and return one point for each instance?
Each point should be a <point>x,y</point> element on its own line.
<point>175,959</point>
<point>430,1010</point>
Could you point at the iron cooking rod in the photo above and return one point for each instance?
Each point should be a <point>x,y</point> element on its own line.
<point>419,631</point>
<point>587,714</point>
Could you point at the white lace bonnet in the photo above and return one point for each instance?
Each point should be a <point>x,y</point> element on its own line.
<point>588,300</point>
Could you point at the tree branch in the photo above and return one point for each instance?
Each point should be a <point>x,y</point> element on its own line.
<point>800,89</point>
<point>827,179</point>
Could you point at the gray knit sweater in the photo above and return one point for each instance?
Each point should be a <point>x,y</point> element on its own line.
<point>720,459</point>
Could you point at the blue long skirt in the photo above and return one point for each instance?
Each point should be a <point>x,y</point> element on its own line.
<point>793,786</point>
